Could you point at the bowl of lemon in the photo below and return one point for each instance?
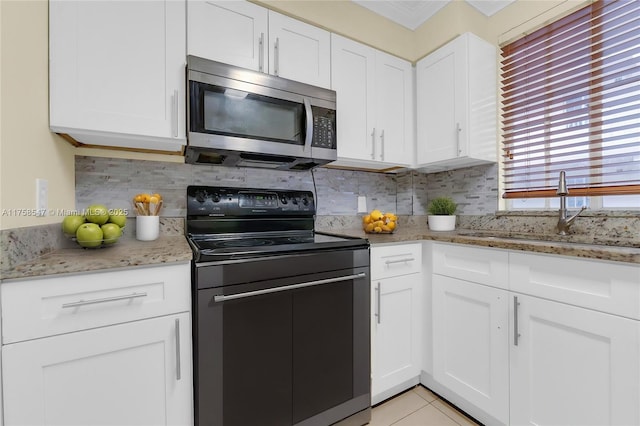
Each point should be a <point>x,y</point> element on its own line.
<point>377,222</point>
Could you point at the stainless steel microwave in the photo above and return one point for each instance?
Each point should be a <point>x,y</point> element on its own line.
<point>240,117</point>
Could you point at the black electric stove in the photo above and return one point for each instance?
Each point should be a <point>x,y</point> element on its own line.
<point>276,306</point>
<point>231,223</point>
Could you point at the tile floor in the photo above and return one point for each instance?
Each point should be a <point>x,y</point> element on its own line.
<point>418,407</point>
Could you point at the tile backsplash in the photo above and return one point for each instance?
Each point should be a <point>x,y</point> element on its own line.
<point>114,182</point>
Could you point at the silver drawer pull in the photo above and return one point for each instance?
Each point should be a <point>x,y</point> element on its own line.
<point>223,298</point>
<point>407,259</point>
<point>178,362</point>
<point>103,300</point>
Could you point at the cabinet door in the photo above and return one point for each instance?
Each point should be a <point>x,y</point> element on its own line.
<point>394,109</point>
<point>352,77</point>
<point>233,32</point>
<point>470,343</point>
<point>396,332</point>
<point>135,374</point>
<point>118,67</point>
<point>299,51</point>
<point>441,96</point>
<point>573,366</point>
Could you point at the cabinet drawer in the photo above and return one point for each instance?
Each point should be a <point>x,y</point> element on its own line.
<point>395,260</point>
<point>603,286</point>
<point>474,264</point>
<point>50,306</point>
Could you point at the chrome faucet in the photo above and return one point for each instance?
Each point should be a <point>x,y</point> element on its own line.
<point>562,228</point>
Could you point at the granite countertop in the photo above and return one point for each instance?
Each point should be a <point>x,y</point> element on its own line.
<point>126,253</point>
<point>573,247</point>
<point>172,248</point>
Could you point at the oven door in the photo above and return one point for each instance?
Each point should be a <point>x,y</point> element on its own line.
<point>283,351</point>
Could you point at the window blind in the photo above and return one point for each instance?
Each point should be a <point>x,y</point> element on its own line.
<point>571,101</point>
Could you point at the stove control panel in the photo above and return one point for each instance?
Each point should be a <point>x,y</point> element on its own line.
<point>216,201</point>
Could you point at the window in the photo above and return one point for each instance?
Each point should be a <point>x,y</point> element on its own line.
<point>571,101</point>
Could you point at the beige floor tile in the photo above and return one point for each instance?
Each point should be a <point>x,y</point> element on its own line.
<point>396,408</point>
<point>425,393</point>
<point>427,416</point>
<point>452,412</point>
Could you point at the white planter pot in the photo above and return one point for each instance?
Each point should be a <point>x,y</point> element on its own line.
<point>442,222</point>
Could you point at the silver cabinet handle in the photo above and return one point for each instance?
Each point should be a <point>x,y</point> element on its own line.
<point>276,57</point>
<point>178,363</point>
<point>223,298</point>
<point>174,112</point>
<point>516,334</point>
<point>458,130</point>
<point>309,132</point>
<point>406,259</point>
<point>382,145</point>
<point>103,300</point>
<point>373,144</point>
<point>378,296</point>
<point>261,52</point>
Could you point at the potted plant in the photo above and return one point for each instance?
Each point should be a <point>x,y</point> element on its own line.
<point>442,214</point>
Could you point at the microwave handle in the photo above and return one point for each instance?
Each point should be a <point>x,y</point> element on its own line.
<point>309,132</point>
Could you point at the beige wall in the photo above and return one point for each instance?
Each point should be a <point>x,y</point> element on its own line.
<point>28,150</point>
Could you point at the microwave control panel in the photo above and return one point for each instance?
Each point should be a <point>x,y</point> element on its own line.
<point>324,128</point>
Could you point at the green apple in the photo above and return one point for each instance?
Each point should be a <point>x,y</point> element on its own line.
<point>89,235</point>
<point>71,223</point>
<point>111,232</point>
<point>97,213</point>
<point>119,217</point>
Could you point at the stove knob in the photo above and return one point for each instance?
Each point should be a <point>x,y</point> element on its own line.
<point>215,198</point>
<point>200,196</point>
<point>305,201</point>
<point>295,200</point>
<point>283,200</point>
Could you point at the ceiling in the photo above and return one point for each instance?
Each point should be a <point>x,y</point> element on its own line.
<point>413,13</point>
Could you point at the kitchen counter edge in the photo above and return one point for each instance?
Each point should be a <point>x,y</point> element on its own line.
<point>589,251</point>
<point>127,253</point>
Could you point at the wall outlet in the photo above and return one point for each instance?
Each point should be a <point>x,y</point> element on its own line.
<point>42,195</point>
<point>362,204</point>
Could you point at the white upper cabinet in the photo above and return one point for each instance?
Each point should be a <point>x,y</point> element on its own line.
<point>233,32</point>
<point>456,105</point>
<point>394,109</point>
<point>249,36</point>
<point>117,72</point>
<point>352,77</point>
<point>375,106</point>
<point>299,51</point>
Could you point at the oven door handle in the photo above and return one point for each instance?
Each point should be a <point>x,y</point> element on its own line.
<point>223,298</point>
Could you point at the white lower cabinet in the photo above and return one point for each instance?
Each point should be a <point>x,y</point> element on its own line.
<point>396,319</point>
<point>470,341</point>
<point>106,348</point>
<point>573,366</point>
<point>520,358</point>
<point>129,374</point>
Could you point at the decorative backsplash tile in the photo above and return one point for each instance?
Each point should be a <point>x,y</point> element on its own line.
<point>115,181</point>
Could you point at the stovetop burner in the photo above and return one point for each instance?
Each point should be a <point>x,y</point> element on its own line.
<point>253,242</point>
